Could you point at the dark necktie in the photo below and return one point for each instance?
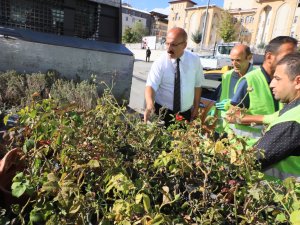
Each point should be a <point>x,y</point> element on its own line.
<point>176,100</point>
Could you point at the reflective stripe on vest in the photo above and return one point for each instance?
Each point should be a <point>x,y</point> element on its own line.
<point>289,166</point>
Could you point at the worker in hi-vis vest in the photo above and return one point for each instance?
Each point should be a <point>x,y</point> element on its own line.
<point>253,91</point>
<point>281,145</point>
<point>240,57</point>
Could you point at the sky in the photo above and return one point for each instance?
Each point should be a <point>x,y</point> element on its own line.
<point>162,5</point>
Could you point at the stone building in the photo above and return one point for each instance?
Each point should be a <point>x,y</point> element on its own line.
<point>258,20</point>
<point>159,26</point>
<point>132,15</point>
<point>155,23</point>
<point>186,14</point>
<point>263,20</point>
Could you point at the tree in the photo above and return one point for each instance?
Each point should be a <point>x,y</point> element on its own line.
<point>139,31</point>
<point>128,36</point>
<point>134,34</point>
<point>197,36</point>
<point>227,28</point>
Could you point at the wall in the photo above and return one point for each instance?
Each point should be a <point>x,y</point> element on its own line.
<point>73,63</point>
<point>279,20</point>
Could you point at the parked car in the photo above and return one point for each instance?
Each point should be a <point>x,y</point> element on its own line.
<point>212,83</point>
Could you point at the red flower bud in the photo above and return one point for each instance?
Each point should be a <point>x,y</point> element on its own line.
<point>179,117</point>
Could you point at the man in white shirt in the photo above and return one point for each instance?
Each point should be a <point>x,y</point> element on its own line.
<point>162,82</point>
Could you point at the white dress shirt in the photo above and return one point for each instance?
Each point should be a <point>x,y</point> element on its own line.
<point>161,79</point>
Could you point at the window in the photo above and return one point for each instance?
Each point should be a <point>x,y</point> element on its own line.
<point>298,3</point>
<point>247,19</point>
<point>126,18</point>
<point>79,18</point>
<point>292,34</point>
<point>176,16</point>
<point>295,19</point>
<point>133,20</point>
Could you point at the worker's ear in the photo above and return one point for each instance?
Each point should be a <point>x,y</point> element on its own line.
<point>185,44</point>
<point>297,82</point>
<point>249,57</point>
<point>269,57</point>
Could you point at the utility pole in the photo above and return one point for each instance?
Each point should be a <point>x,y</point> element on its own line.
<point>204,25</point>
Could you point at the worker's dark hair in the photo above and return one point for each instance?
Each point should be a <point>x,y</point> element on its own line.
<point>275,43</point>
<point>248,51</point>
<point>292,62</point>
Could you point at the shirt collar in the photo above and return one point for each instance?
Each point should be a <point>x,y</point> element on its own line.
<point>267,76</point>
<point>181,58</point>
<point>289,106</point>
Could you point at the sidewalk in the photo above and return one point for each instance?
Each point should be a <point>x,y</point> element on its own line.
<point>140,72</point>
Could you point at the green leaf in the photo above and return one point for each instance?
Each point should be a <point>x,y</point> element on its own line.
<point>50,186</point>
<point>296,205</point>
<point>28,145</point>
<point>295,217</point>
<point>138,198</point>
<point>280,218</point>
<point>18,189</point>
<point>146,202</point>
<point>52,177</point>
<point>289,183</point>
<point>255,193</point>
<point>158,219</point>
<point>33,114</point>
<point>36,216</point>
<point>278,197</point>
<point>59,140</point>
<point>93,163</point>
<point>75,208</point>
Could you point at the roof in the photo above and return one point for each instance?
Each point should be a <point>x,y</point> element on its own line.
<point>176,1</point>
<point>161,15</point>
<point>203,6</point>
<point>239,10</point>
<point>126,7</point>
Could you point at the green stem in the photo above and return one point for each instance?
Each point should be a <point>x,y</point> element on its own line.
<point>278,198</point>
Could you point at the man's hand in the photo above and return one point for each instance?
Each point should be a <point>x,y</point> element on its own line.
<point>148,112</point>
<point>234,115</point>
<point>223,105</point>
<point>194,113</point>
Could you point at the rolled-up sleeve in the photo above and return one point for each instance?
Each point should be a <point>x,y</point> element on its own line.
<point>154,76</point>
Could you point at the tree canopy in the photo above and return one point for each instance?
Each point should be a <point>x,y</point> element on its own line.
<point>134,34</point>
<point>196,36</point>
<point>227,28</point>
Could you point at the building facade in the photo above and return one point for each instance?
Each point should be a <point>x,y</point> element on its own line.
<point>155,23</point>
<point>131,15</point>
<point>258,21</point>
<point>186,14</point>
<point>159,26</point>
<point>263,20</point>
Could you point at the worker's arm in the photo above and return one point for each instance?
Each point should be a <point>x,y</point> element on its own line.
<point>197,97</point>
<point>149,97</point>
<point>234,115</point>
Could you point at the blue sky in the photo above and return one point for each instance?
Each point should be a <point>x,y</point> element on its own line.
<point>149,5</point>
